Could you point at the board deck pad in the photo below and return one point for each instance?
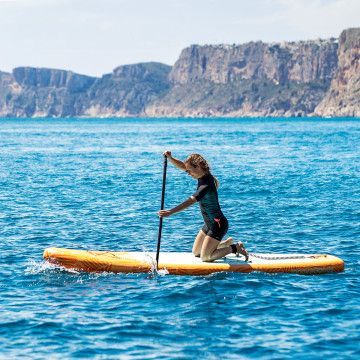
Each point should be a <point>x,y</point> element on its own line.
<point>185,263</point>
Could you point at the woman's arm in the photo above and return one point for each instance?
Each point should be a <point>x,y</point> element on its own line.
<point>178,163</point>
<point>182,206</point>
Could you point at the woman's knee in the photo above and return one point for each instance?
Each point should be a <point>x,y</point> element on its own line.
<point>198,243</point>
<point>196,249</point>
<point>206,258</point>
<point>209,247</point>
<point>196,253</point>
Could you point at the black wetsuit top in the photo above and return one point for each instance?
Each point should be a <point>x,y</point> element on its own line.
<point>216,224</point>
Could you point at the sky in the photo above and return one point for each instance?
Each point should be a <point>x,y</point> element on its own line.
<point>95,36</point>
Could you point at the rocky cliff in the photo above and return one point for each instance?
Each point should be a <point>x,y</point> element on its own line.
<point>304,78</point>
<point>281,63</point>
<point>256,79</point>
<point>127,91</point>
<point>343,97</point>
<point>32,92</point>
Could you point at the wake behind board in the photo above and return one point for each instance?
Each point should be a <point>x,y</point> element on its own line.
<point>181,263</point>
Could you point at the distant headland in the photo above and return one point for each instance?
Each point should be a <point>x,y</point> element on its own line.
<point>305,78</point>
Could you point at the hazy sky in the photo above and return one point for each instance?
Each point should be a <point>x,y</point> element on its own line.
<point>95,36</point>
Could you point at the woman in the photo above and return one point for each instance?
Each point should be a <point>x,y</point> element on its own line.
<point>208,245</point>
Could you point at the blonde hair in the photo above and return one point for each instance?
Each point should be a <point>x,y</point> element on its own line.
<point>197,160</point>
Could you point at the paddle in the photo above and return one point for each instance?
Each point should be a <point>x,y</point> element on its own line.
<point>162,208</point>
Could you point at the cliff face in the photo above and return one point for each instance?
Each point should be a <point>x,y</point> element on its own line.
<point>128,90</point>
<point>302,78</point>
<point>252,79</point>
<point>281,63</point>
<point>57,79</point>
<point>343,97</point>
<point>32,92</point>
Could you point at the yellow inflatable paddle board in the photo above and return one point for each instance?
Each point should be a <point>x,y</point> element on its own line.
<point>181,263</point>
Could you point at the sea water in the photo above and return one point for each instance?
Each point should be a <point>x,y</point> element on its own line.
<point>286,185</point>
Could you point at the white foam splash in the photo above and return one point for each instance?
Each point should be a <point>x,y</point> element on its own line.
<point>152,261</point>
<point>163,272</point>
<point>37,267</point>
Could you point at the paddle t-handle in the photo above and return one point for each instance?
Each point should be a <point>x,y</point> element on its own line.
<point>162,208</point>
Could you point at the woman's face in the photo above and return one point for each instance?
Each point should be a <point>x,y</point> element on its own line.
<point>194,171</point>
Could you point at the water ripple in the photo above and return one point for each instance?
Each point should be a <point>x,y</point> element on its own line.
<point>286,186</point>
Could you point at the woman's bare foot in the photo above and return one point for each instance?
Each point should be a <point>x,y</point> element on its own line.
<point>240,249</point>
<point>225,243</point>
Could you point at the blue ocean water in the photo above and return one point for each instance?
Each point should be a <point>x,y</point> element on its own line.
<point>286,185</point>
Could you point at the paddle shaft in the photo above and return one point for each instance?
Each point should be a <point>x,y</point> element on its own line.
<point>162,208</point>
